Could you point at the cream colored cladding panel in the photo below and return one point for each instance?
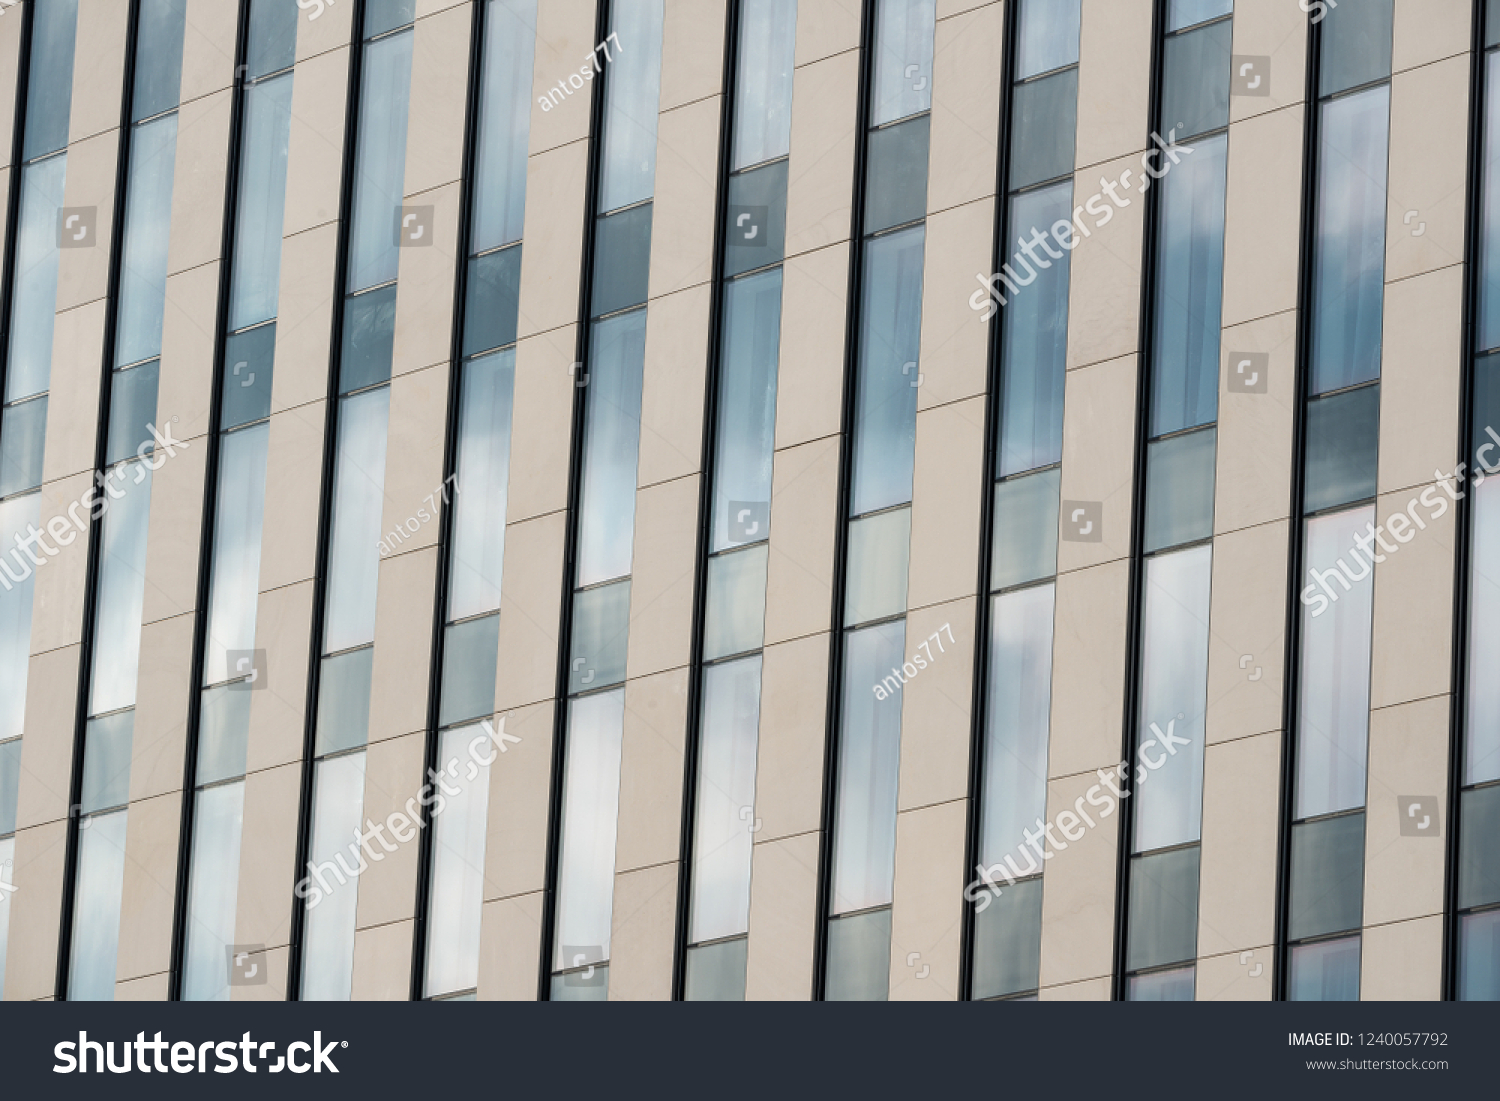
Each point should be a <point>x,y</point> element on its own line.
<point>35,912</point>
<point>198,184</point>
<point>1402,962</point>
<point>330,32</point>
<point>692,53</point>
<point>927,914</point>
<point>682,219</point>
<point>1263,213</point>
<point>564,43</point>
<point>1253,468</point>
<point>510,943</point>
<point>1098,461</point>
<point>208,48</point>
<point>382,963</point>
<point>783,919</point>
<point>1104,280</point>
<point>268,871</point>
<point>643,925</point>
<point>1430,30</point>
<point>315,151</point>
<point>83,273</point>
<point>1412,642</point>
<point>388,888</point>
<point>1270,28</point>
<point>98,69</point>
<point>1428,169</point>
<point>439,96</point>
<point>674,380</point>
<point>1421,375</point>
<point>1078,893</point>
<point>1237,859</point>
<point>1247,632</point>
<point>47,748</point>
<point>10,62</point>
<point>1114,80</point>
<point>965,108</point>
<point>150,887</point>
<point>820,174</point>
<point>1408,758</point>
<point>1088,669</point>
<point>825,28</point>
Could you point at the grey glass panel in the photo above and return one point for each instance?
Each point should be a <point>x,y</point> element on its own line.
<point>1349,253</point>
<point>896,175</point>
<point>1161,986</point>
<point>1049,35</point>
<point>1187,13</point>
<point>586,862</point>
<point>18,518</point>
<point>622,260</point>
<point>869,757</point>
<point>23,432</point>
<point>261,203</point>
<point>369,339</point>
<point>121,589</point>
<point>1034,337</point>
<point>106,762</point>
<point>611,447</point>
<point>1163,926</point>
<point>379,157</point>
<point>492,300</point>
<point>1325,972</point>
<point>723,831</point>
<point>148,227</point>
<point>1482,722</point>
<point>1008,942</point>
<point>1328,874</point>
<point>354,545</point>
<point>763,81</point>
<point>132,407</point>
<point>858,964</point>
<point>344,701</point>
<point>223,733</point>
<point>1479,855</point>
<point>632,87</point>
<point>504,124</point>
<point>273,37</point>
<point>601,627</point>
<point>1356,45</point>
<point>746,438</point>
<point>588,985</point>
<point>1492,22</point>
<point>1025,523</point>
<point>235,581</point>
<point>716,972</point>
<point>7,864</point>
<point>1180,489</point>
<point>1195,92</point>
<point>1343,433</point>
<point>482,483</point>
<point>387,15</point>
<point>878,556</point>
<point>1189,291</point>
<point>158,57</point>
<point>902,83</point>
<point>1044,124</point>
<point>890,337</point>
<point>735,620</point>
<point>249,359</point>
<point>1488,258</point>
<point>469,657</point>
<point>96,909</point>
<point>49,81</point>
<point>1479,957</point>
<point>755,230</point>
<point>34,292</point>
<point>213,890</point>
<point>10,780</point>
<point>454,907</point>
<point>333,870</point>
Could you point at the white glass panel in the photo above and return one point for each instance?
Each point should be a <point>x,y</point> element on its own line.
<point>903,59</point>
<point>632,92</point>
<point>17,584</point>
<point>505,124</point>
<point>359,495</point>
<point>763,93</point>
<point>335,864</point>
<point>611,449</point>
<point>122,590</point>
<point>379,161</point>
<point>261,203</point>
<point>1482,728</point>
<point>34,297</point>
<point>1049,35</point>
<point>482,485</point>
<point>148,226</point>
<point>1187,13</point>
<point>235,581</point>
<point>453,915</point>
<point>747,410</point>
<point>591,801</point>
<point>96,908</point>
<point>212,892</point>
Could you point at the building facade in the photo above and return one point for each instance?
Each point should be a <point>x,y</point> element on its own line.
<point>545,499</point>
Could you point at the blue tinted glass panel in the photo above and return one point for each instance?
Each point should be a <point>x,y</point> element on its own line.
<point>755,233</point>
<point>158,57</point>
<point>858,967</point>
<point>49,80</point>
<point>763,81</point>
<point>896,174</point>
<point>1188,13</point>
<point>344,701</point>
<point>369,339</point>
<point>261,203</point>
<point>1342,438</point>
<point>223,732</point>
<point>1195,95</point>
<point>1327,971</point>
<point>1008,942</point>
<point>1328,874</point>
<point>746,435</point>
<point>1049,35</point>
<point>132,408</point>
<point>34,292</point>
<point>504,124</point>
<point>1479,957</point>
<point>1044,121</point>
<point>481,485</point>
<point>354,545</point>
<point>903,59</point>
<point>23,432</point>
<point>1479,856</point>
<point>1163,925</point>
<point>273,37</point>
<point>1356,45</point>
<point>492,301</point>
<point>622,260</point>
<point>632,92</point>
<point>380,158</point>
<point>610,448</point>
<point>106,762</point>
<point>601,627</point>
<point>148,224</point>
<point>248,361</point>
<point>1180,489</point>
<point>469,656</point>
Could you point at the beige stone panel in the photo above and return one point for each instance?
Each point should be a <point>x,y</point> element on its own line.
<point>403,644</point>
<point>268,872</point>
<point>1277,31</point>
<point>425,291</point>
<point>98,68</point>
<point>278,712</point>
<point>1237,860</point>
<point>556,187</point>
<point>1078,895</point>
<point>1099,459</point>
<point>382,962</point>
<point>804,511</point>
<point>542,424</point>
<point>59,584</point>
<point>47,748</point>
<point>783,919</point>
<point>1104,304</point>
<point>661,583</point>
<point>1263,212</point>
<point>315,151</point>
<point>676,369</point>
<point>965,108</point>
<point>810,362</point>
<point>439,96</point>
<point>414,486</point>
<point>305,306</point>
<point>331,31</point>
<point>515,855</point>
<point>83,273</point>
<point>1090,990</point>
<point>825,28</point>
<point>530,606</point>
<point>1402,962</point>
<point>1411,649</point>
<point>1427,30</point>
<point>176,520</point>
<point>1238,977</point>
<point>825,128</point>
<point>789,754</point>
<point>277,961</point>
<point>692,52</point>
<point>198,180</point>
<point>1247,616</point>
<point>152,830</point>
<point>294,461</point>
<point>955,338</point>
<point>150,988</point>
<point>649,830</point>
<point>1420,379</point>
<point>510,949</point>
<point>564,38</point>
<point>186,380</point>
<point>73,401</point>
<point>393,778</point>
<point>682,218</point>
<point>159,739</point>
<point>35,912</point>
<point>935,716</point>
<point>1254,464</point>
<point>1114,80</point>
<point>208,48</point>
<point>10,62</point>
<point>1428,168</point>
<point>642,935</point>
<point>927,914</point>
<point>1088,669</point>
<point>1408,757</point>
<point>948,492</point>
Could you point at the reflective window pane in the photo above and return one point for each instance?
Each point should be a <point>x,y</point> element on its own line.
<point>458,842</point>
<point>387,15</point>
<point>158,57</point>
<point>344,700</point>
<point>1482,722</point>
<point>273,37</point>
<point>1479,957</point>
<point>1327,971</point>
<point>249,359</point>
<point>1180,489</point>
<point>745,442</point>
<point>1044,121</point>
<point>1488,259</point>
<point>878,557</point>
<point>261,202</point>
<point>601,628</point>
<point>7,873</point>
<point>1188,13</point>
<point>492,301</point>
<point>332,887</point>
<point>106,762</point>
<point>755,233</point>
<point>482,485</point>
<point>34,291</point>
<point>735,618</point>
<point>148,225</point>
<point>1163,925</point>
<point>10,779</point>
<point>470,654</point>
<point>632,87</point>
<point>591,800</point>
<point>611,446</point>
<point>858,963</point>
<point>1008,941</point>
<point>902,82</point>
<point>213,890</point>
<point>1195,93</point>
<point>1025,525</point>
<point>622,260</point>
<point>49,81</point>
<point>716,972</point>
<point>98,880</point>
<point>18,516</point>
<point>132,410</point>
<point>1049,35</point>
<point>1356,45</point>
<point>763,81</point>
<point>23,432</point>
<point>234,585</point>
<point>379,159</point>
<point>121,589</point>
<point>1328,872</point>
<point>1479,856</point>
<point>369,339</point>
<point>504,124</point>
<point>896,174</point>
<point>223,732</point>
<point>1161,986</point>
<point>1343,433</point>
<point>359,495</point>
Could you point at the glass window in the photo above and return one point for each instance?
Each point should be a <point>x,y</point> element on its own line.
<point>1328,872</point>
<point>1025,524</point>
<point>763,81</point>
<point>1175,985</point>
<point>359,495</point>
<point>1195,92</point>
<point>235,581</point>
<point>492,300</point>
<point>1180,489</point>
<point>470,654</point>
<point>1163,908</point>
<point>1488,319</point>
<point>1049,35</point>
<point>1356,45</point>
<point>1008,942</point>
<point>344,700</point>
<point>34,290</point>
<point>878,555</point>
<point>7,860</point>
<point>122,589</point>
<point>23,432</point>
<point>588,983</point>
<point>333,868</point>
<point>387,15</point>
<point>896,176</point>
<point>1044,121</point>
<point>1482,725</point>
<point>1187,13</point>
<point>1343,433</point>
<point>716,972</point>
<point>1479,956</point>
<point>223,732</point>
<point>132,407</point>
<point>17,586</point>
<point>261,202</point>
<point>249,359</point>
<point>745,443</point>
<point>148,226</point>
<point>106,762</point>
<point>735,619</point>
<point>601,629</point>
<point>10,779</point>
<point>273,37</point>
<point>622,260</point>
<point>213,891</point>
<point>482,484</point>
<point>755,235</point>
<point>369,339</point>
<point>158,59</point>
<point>453,908</point>
<point>49,82</point>
<point>1327,971</point>
<point>611,447</point>
<point>1479,857</point>
<point>505,124</point>
<point>96,908</point>
<point>632,91</point>
<point>902,84</point>
<point>380,157</point>
<point>858,968</point>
